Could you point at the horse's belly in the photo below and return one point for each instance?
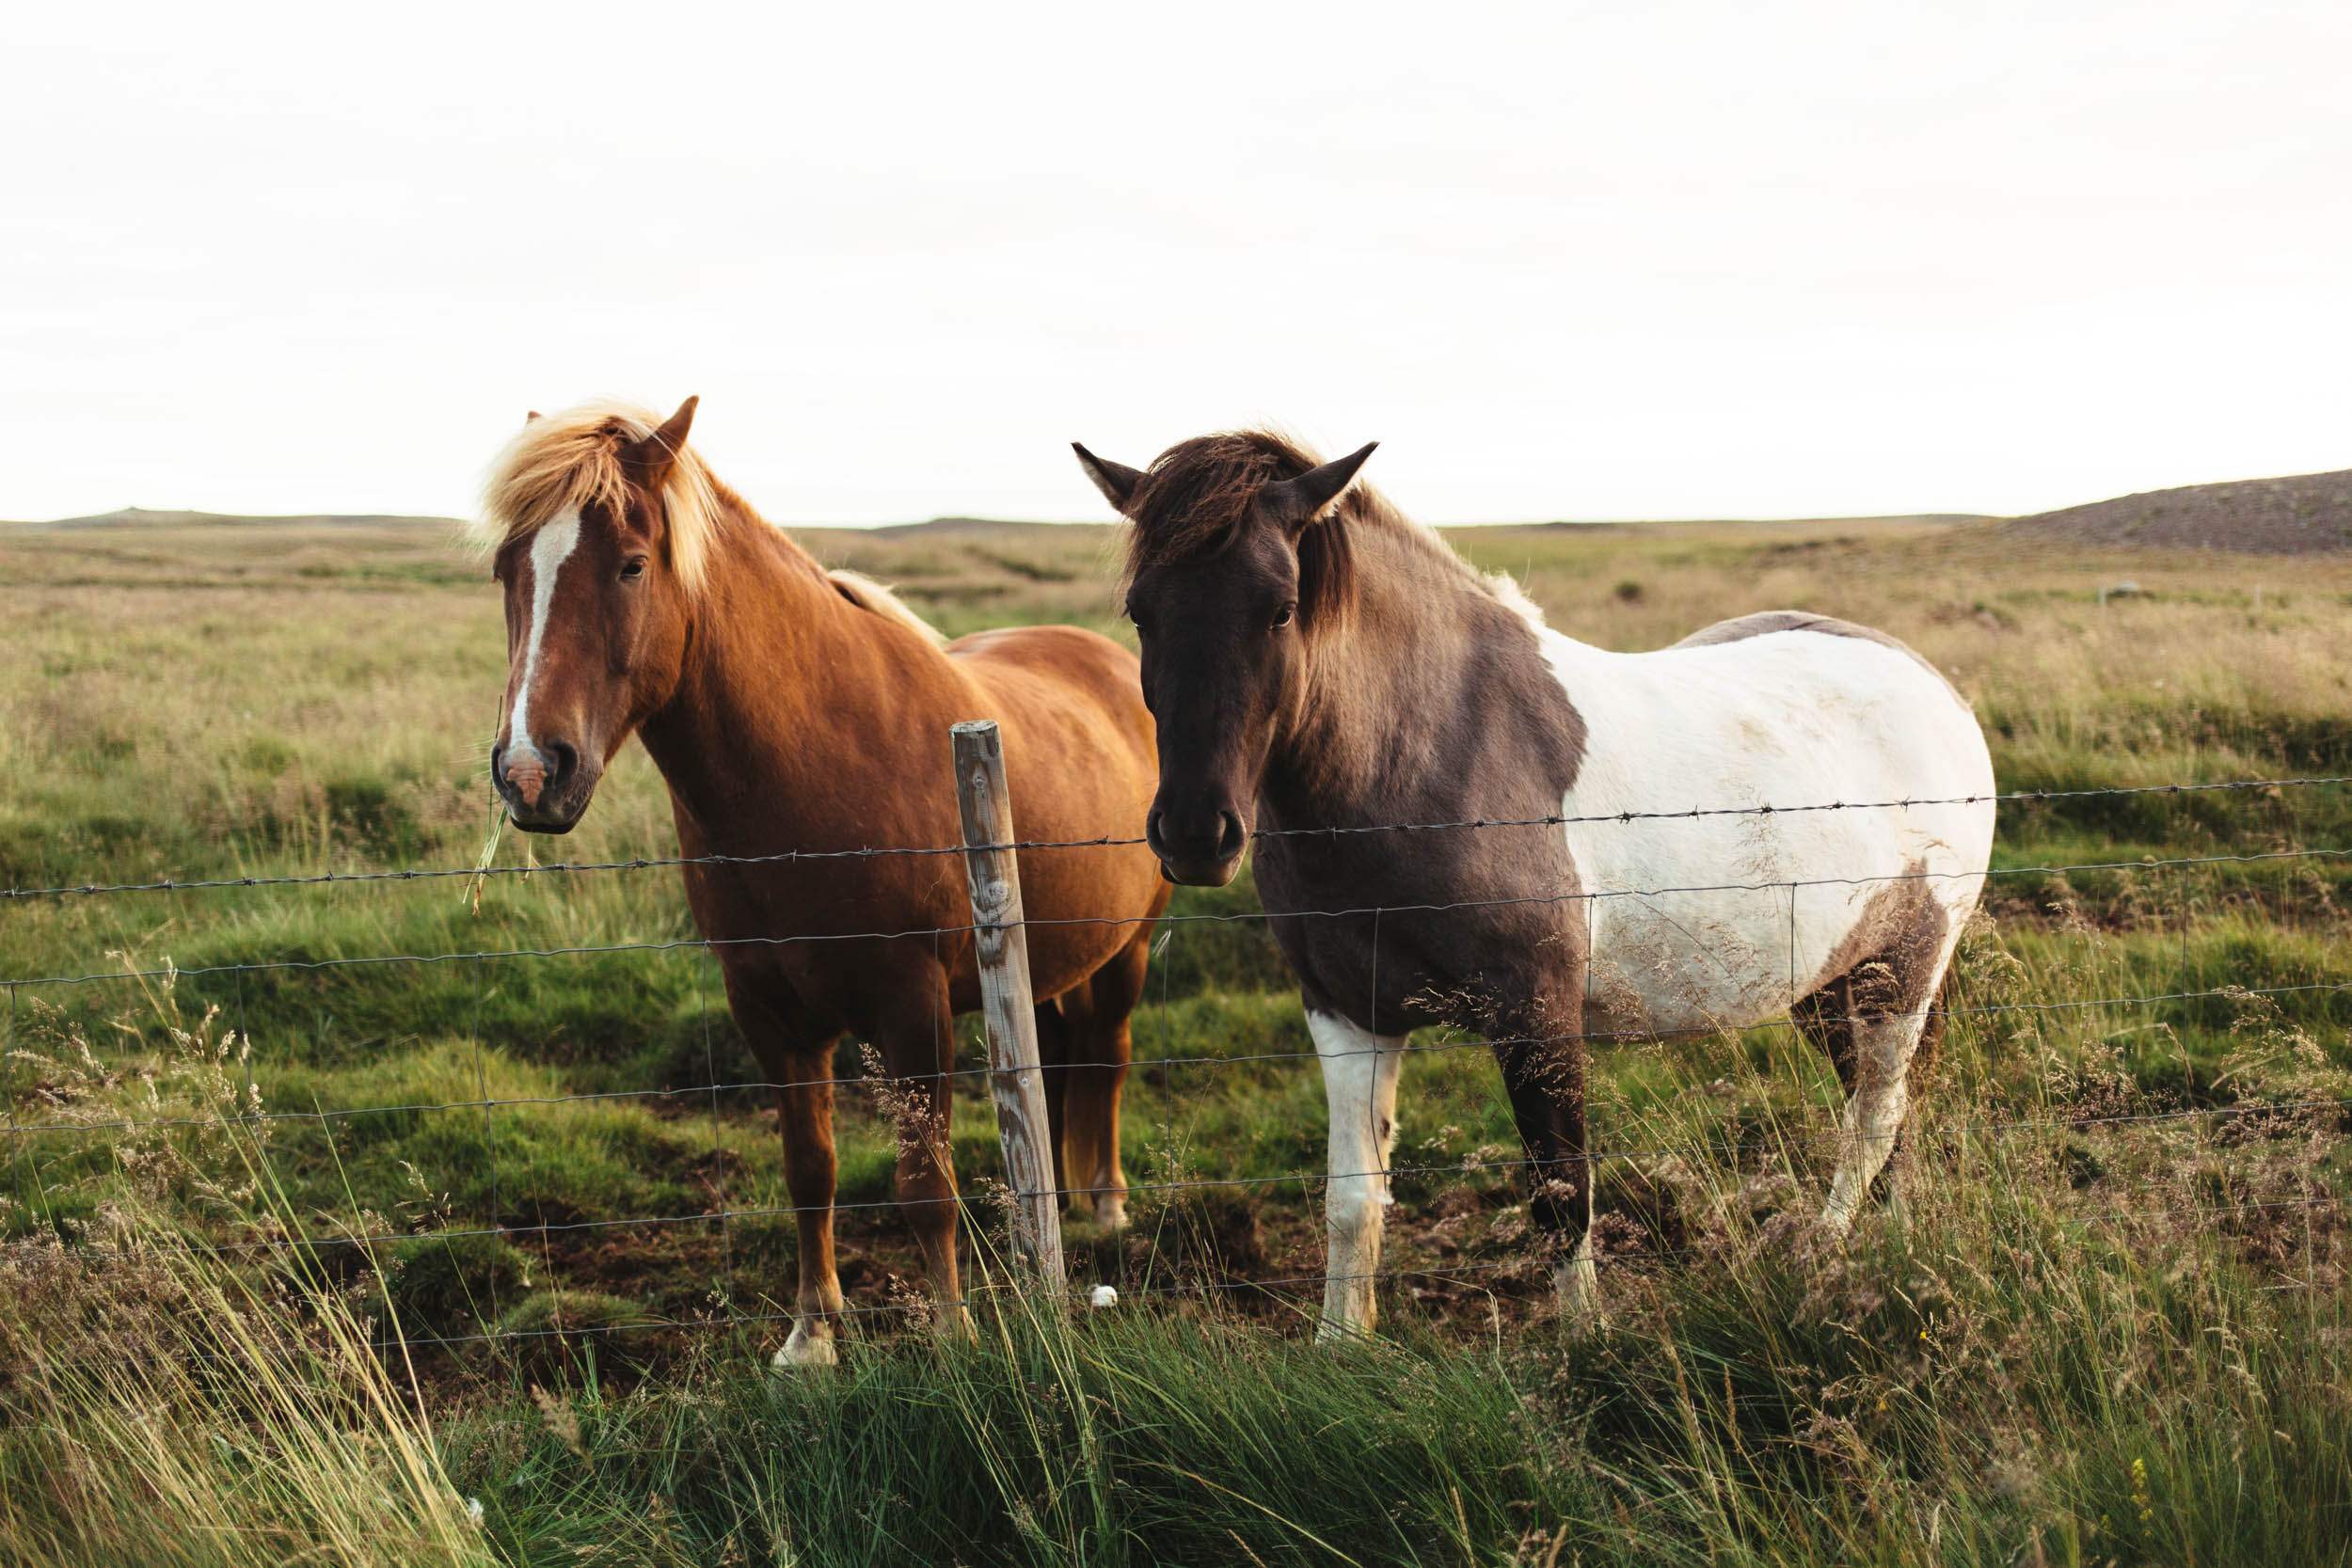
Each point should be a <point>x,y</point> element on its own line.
<point>1684,962</point>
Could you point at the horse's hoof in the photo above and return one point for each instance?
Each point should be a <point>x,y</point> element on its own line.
<point>1111,1212</point>
<point>805,1349</point>
<point>1576,1286</point>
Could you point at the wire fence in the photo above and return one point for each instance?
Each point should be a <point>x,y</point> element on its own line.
<point>30,1117</point>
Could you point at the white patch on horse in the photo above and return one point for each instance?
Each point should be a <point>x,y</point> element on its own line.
<point>1692,922</point>
<point>549,549</point>
<point>805,1349</point>
<point>1706,922</point>
<point>1576,1284</point>
<point>1359,1071</point>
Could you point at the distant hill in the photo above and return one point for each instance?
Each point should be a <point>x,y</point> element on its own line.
<point>139,517</point>
<point>2302,514</point>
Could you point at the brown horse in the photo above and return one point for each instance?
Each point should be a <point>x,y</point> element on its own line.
<point>794,709</point>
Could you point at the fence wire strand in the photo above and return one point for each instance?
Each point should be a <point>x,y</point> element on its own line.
<point>681,944</point>
<point>21,1132</point>
<point>790,857</point>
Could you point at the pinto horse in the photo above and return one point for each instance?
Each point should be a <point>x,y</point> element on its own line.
<point>1322,668</point>
<point>792,709</point>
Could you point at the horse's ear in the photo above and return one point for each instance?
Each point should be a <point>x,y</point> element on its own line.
<point>1116,481</point>
<point>530,416</point>
<point>1296,502</point>
<point>653,456</point>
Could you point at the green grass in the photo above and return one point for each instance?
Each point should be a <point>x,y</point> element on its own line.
<point>2086,1279</point>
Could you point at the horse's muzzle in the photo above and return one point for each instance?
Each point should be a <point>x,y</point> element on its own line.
<point>1199,848</point>
<point>546,791</point>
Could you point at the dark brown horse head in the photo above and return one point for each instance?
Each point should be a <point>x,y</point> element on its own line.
<point>1235,561</point>
<point>599,521</point>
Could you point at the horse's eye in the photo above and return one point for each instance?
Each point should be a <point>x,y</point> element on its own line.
<point>1283,616</point>
<point>633,568</point>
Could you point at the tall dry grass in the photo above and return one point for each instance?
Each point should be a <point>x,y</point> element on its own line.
<point>164,1401</point>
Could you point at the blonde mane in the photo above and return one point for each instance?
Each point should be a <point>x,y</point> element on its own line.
<point>865,593</point>
<point>559,463</point>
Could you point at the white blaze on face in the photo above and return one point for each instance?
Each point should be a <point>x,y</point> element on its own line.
<point>549,549</point>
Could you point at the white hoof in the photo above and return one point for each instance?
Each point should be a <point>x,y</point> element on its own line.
<point>1110,1211</point>
<point>1576,1285</point>
<point>805,1349</point>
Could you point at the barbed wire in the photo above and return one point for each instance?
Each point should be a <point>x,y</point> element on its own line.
<point>966,929</point>
<point>725,1215</point>
<point>1473,1165</point>
<point>788,857</point>
<point>1146,1064</point>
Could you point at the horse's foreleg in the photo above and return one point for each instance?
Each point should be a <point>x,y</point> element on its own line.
<point>1543,1071</point>
<point>1359,1071</point>
<point>796,1052</point>
<point>804,1119</point>
<point>916,1038</point>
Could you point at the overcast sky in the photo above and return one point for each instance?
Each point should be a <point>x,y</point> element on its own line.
<point>1564,261</point>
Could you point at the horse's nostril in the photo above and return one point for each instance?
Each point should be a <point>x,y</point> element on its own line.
<point>1229,839</point>
<point>560,760</point>
<point>527,776</point>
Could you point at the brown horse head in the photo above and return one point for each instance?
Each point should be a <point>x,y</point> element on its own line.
<point>1237,560</point>
<point>601,522</point>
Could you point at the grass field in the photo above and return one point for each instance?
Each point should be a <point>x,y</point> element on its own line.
<point>2103,1332</point>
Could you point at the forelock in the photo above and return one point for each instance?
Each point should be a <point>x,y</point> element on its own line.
<point>572,461</point>
<point>1196,497</point>
<point>1199,497</point>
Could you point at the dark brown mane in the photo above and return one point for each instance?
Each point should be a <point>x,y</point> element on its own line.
<point>1199,499</point>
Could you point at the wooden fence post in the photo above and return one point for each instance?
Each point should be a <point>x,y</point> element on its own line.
<point>1016,1080</point>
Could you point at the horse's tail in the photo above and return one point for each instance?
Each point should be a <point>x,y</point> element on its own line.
<point>867,594</point>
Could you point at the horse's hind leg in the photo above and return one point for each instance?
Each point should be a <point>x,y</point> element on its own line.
<point>1054,1020</point>
<point>1872,1021</point>
<point>1100,1044</point>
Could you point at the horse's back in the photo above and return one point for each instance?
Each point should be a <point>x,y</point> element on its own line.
<point>1847,726</point>
<point>1081,764</point>
<point>1065,688</point>
<point>1056,666</point>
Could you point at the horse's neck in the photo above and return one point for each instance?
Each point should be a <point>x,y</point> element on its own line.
<point>765,693</point>
<point>1382,685</point>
